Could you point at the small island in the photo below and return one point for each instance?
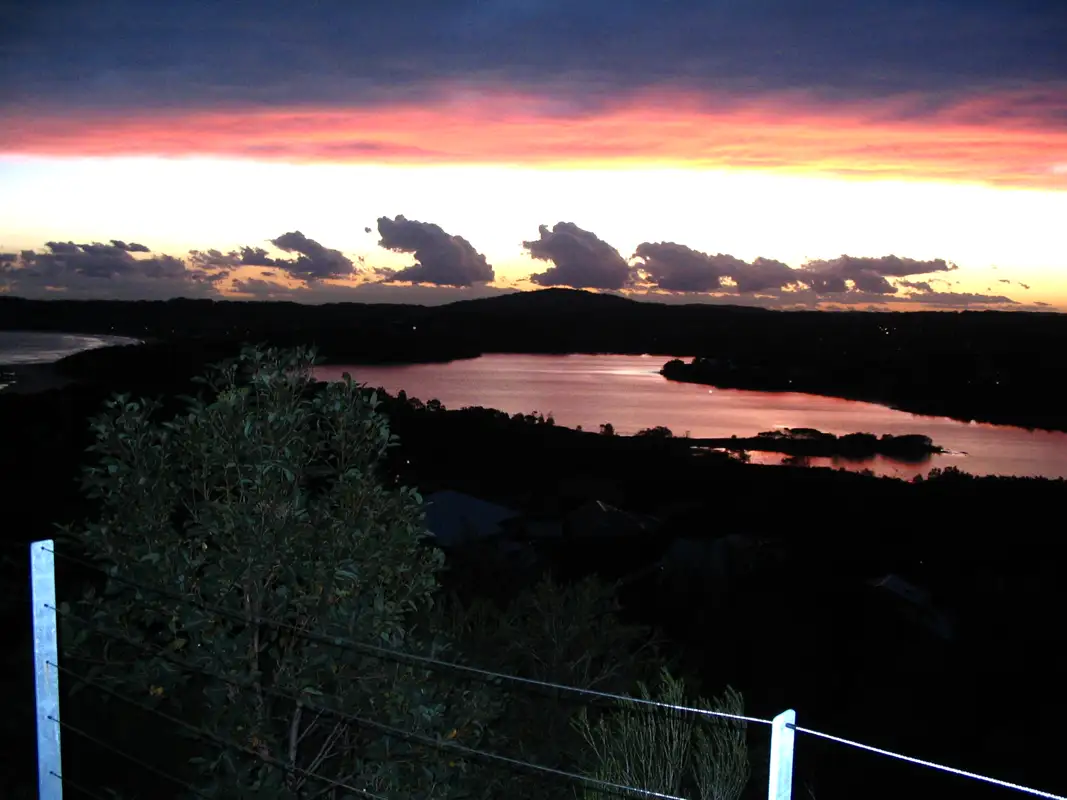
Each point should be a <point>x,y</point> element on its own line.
<point>807,442</point>
<point>811,442</point>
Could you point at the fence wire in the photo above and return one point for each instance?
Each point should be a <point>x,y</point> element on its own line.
<point>159,773</point>
<point>930,764</point>
<point>594,784</point>
<point>490,676</point>
<point>389,654</point>
<point>80,788</point>
<point>206,735</point>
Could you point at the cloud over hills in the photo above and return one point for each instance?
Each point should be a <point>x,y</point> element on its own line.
<point>100,271</point>
<point>866,274</point>
<point>440,258</point>
<point>448,267</point>
<point>579,259</point>
<point>676,268</point>
<point>313,262</point>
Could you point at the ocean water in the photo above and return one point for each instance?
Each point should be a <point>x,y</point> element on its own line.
<point>35,347</point>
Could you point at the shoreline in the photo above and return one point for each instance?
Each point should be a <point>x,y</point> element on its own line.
<point>893,405</point>
<point>32,378</point>
<point>903,449</point>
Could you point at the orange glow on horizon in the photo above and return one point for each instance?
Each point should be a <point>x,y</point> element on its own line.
<point>998,139</point>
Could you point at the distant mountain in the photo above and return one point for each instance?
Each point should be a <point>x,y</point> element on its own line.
<point>545,301</point>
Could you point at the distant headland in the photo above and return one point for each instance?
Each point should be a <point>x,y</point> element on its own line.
<point>989,366</point>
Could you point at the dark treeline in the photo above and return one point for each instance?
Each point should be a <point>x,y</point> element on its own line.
<point>795,624</point>
<point>1002,367</point>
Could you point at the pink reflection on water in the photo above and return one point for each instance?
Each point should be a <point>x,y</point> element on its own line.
<point>628,392</point>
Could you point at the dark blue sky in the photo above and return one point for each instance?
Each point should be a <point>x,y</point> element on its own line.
<point>195,53</point>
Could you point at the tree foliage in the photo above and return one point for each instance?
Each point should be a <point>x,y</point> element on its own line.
<point>564,634</point>
<point>657,432</point>
<point>263,498</point>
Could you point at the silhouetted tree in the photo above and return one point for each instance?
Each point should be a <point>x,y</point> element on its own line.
<point>658,432</point>
<point>569,634</point>
<point>267,501</point>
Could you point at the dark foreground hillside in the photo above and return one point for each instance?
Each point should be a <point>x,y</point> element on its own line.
<point>761,576</point>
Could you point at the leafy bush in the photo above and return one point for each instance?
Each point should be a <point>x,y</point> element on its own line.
<point>669,752</point>
<point>264,499</point>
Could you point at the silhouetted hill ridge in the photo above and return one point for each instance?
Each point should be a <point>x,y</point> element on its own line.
<point>991,366</point>
<point>547,300</point>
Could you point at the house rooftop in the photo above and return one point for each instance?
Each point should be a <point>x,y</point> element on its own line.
<point>454,517</point>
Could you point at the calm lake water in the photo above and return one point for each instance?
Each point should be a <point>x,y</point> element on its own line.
<point>628,392</point>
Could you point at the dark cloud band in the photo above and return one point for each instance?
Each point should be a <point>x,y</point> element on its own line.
<point>584,55</point>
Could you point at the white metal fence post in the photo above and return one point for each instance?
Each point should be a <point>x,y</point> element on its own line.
<point>782,735</point>
<point>45,675</point>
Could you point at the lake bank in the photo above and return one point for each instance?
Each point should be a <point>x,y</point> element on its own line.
<point>912,396</point>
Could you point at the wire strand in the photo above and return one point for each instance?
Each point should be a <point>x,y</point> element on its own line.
<point>128,756</point>
<point>204,734</point>
<point>489,675</point>
<point>922,763</point>
<point>389,654</point>
<point>82,789</point>
<point>604,787</point>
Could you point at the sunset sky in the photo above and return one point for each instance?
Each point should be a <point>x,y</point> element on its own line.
<point>897,154</point>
